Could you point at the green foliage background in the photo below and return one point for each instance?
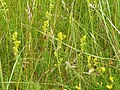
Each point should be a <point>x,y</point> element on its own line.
<point>90,41</point>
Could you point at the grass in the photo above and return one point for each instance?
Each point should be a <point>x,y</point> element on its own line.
<point>60,45</point>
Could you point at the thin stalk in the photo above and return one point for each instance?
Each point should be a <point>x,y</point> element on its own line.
<point>1,76</point>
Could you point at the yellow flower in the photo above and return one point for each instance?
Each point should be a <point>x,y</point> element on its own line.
<point>51,6</point>
<point>14,36</point>
<point>83,39</point>
<point>95,61</point>
<point>45,26</point>
<point>109,86</point>
<point>103,69</point>
<point>48,14</point>
<point>89,61</point>
<point>111,79</point>
<point>15,50</point>
<point>16,43</point>
<point>61,36</point>
<point>83,43</point>
<point>55,53</point>
<point>46,23</point>
<point>78,87</point>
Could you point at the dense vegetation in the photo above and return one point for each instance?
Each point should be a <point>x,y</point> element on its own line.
<point>59,44</point>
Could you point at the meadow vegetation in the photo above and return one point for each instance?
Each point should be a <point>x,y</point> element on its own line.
<point>59,44</point>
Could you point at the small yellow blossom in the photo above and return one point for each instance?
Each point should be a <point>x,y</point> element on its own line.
<point>83,43</point>
<point>111,79</point>
<point>89,62</point>
<point>78,87</point>
<point>55,53</point>
<point>55,65</point>
<point>45,26</point>
<point>46,23</point>
<point>15,50</point>
<point>109,86</point>
<point>16,43</point>
<point>48,14</point>
<point>14,36</point>
<point>103,69</point>
<point>95,61</point>
<point>51,6</point>
<point>83,39</point>
<point>61,36</point>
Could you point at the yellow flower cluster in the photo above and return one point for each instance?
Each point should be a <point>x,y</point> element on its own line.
<point>51,6</point>
<point>83,43</point>
<point>94,63</point>
<point>61,36</point>
<point>45,26</point>
<point>111,85</point>
<point>16,43</point>
<point>111,79</point>
<point>89,62</point>
<point>48,16</point>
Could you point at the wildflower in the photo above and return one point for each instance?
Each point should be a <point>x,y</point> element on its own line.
<point>14,36</point>
<point>51,6</point>
<point>103,69</point>
<point>45,26</point>
<point>61,36</point>
<point>15,50</point>
<point>48,14</point>
<point>111,79</point>
<point>83,39</point>
<point>83,43</point>
<point>16,43</point>
<point>55,65</point>
<point>109,86</point>
<point>89,61</point>
<point>60,39</point>
<point>78,87</point>
<point>55,53</point>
